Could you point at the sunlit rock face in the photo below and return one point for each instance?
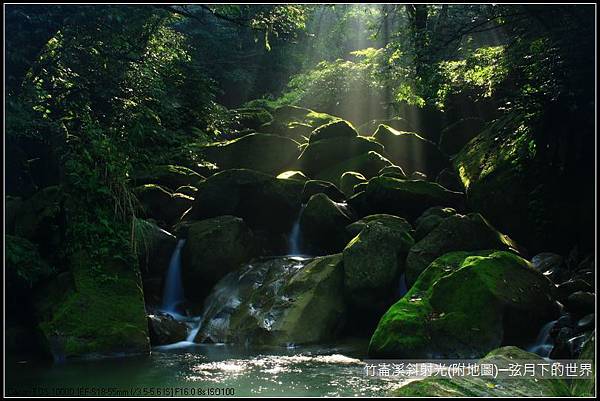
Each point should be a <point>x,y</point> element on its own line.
<point>277,301</point>
<point>464,305</point>
<point>411,151</point>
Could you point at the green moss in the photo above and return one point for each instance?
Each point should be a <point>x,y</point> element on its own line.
<point>293,175</point>
<point>334,129</point>
<point>459,305</point>
<point>398,123</point>
<point>103,313</point>
<point>485,386</point>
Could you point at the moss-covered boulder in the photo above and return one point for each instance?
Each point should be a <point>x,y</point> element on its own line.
<point>485,386</point>
<point>279,301</point>
<point>459,133</point>
<point>388,220</point>
<point>374,260</point>
<point>160,204</point>
<point>464,305</point>
<point>168,176</point>
<point>430,219</point>
<point>326,153</point>
<point>296,122</point>
<point>323,224</point>
<point>411,151</point>
<point>312,187</point>
<point>348,180</point>
<point>268,153</point>
<point>335,129</point>
<point>509,181</point>
<point>263,201</point>
<point>214,247</point>
<point>405,198</point>
<point>293,175</point>
<point>398,123</point>
<point>470,232</point>
<point>95,309</point>
<point>368,164</point>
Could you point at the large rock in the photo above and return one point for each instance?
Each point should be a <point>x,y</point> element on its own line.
<point>261,200</point>
<point>160,204</point>
<point>164,329</point>
<point>335,129</point>
<point>326,153</point>
<point>323,224</point>
<point>512,180</point>
<point>278,301</point>
<point>96,309</point>
<point>268,153</point>
<point>368,164</point>
<point>464,305</point>
<point>398,123</point>
<point>374,260</point>
<point>405,198</point>
<point>459,133</point>
<point>485,386</point>
<point>250,118</point>
<point>168,176</point>
<point>214,247</point>
<point>411,151</point>
<point>388,220</point>
<point>455,233</point>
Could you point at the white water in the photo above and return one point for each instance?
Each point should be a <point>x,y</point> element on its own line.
<point>402,287</point>
<point>543,343</point>
<point>173,293</point>
<point>295,238</point>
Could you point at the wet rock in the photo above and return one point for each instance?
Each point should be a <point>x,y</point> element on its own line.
<point>293,175</point>
<point>368,164</point>
<point>277,301</point>
<point>392,171</point>
<point>164,329</point>
<point>465,304</point>
<point>388,220</point>
<point>417,175</point>
<point>586,322</point>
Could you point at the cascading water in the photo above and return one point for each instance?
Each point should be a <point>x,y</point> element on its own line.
<point>173,292</point>
<point>295,238</point>
<point>543,343</point>
<point>402,287</point>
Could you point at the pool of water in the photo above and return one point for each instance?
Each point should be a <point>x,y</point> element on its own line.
<point>204,370</point>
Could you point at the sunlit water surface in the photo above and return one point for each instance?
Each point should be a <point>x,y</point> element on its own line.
<point>301,371</point>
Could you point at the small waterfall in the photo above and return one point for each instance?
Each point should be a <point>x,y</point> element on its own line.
<point>543,343</point>
<point>173,292</point>
<point>295,238</point>
<point>402,287</point>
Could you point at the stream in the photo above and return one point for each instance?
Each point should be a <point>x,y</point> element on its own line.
<point>302,371</point>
